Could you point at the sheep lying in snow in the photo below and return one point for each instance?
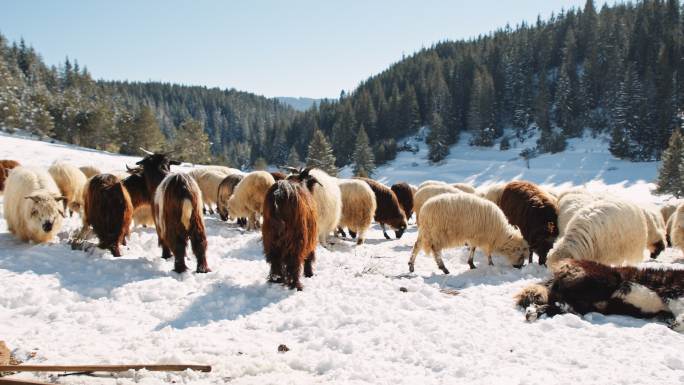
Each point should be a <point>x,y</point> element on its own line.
<point>451,220</point>
<point>33,208</point>
<point>609,231</point>
<point>70,181</point>
<point>248,197</point>
<point>428,191</point>
<point>90,171</point>
<point>404,194</point>
<point>358,207</point>
<point>585,286</point>
<point>328,197</point>
<point>535,212</point>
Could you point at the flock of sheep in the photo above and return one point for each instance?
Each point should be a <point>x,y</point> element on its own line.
<point>588,240</point>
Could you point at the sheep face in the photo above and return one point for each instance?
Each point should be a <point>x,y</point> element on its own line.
<point>656,248</point>
<point>516,249</point>
<point>400,231</point>
<point>157,162</point>
<point>44,213</point>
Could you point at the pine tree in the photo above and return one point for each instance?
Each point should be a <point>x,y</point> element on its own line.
<point>293,159</point>
<point>364,163</point>
<point>670,173</point>
<point>481,112</point>
<point>141,131</point>
<point>191,143</point>
<point>320,154</point>
<point>437,140</point>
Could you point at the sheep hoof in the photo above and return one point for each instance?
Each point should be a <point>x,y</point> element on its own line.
<point>352,234</point>
<point>444,270</point>
<point>472,266</point>
<point>359,242</point>
<point>180,269</point>
<point>386,236</point>
<point>411,268</point>
<point>203,269</point>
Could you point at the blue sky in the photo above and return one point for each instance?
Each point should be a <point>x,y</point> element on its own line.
<point>273,48</point>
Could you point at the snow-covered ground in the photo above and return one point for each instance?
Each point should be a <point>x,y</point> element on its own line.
<point>350,325</point>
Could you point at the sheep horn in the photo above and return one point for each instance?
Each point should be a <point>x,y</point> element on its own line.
<point>146,151</point>
<point>290,169</point>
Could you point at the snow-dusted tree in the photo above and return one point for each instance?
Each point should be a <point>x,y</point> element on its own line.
<point>320,154</point>
<point>191,143</point>
<point>481,112</point>
<point>293,159</point>
<point>670,173</point>
<point>364,162</point>
<point>438,145</point>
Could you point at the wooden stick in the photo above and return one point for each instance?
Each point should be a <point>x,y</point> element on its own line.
<point>102,368</point>
<point>13,381</point>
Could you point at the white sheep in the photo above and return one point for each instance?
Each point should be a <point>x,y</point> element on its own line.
<point>32,205</point>
<point>677,228</point>
<point>492,192</point>
<point>90,171</point>
<point>208,179</point>
<point>428,191</point>
<point>358,207</point>
<point>465,187</point>
<point>452,220</point>
<point>431,182</point>
<point>328,199</point>
<point>656,237</point>
<point>609,231</point>
<point>668,209</point>
<point>70,180</point>
<point>248,198</point>
<point>569,204</point>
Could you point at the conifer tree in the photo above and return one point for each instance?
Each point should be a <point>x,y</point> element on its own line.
<point>438,145</point>
<point>364,162</point>
<point>191,143</point>
<point>141,131</point>
<point>293,159</point>
<point>670,173</point>
<point>320,154</point>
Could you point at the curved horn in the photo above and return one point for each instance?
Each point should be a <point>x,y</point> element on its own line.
<point>146,151</point>
<point>290,169</point>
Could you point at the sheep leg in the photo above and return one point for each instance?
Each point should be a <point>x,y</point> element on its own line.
<point>340,232</point>
<point>199,248</point>
<point>414,254</point>
<point>438,258</point>
<point>489,260</point>
<point>352,234</point>
<point>362,237</point>
<point>471,256</point>
<point>166,252</point>
<point>308,265</point>
<point>179,254</point>
<point>211,209</point>
<point>384,231</point>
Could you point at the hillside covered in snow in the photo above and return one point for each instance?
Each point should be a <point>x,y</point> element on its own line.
<point>362,319</point>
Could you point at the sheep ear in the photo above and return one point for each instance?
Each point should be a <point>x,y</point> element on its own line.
<point>59,199</point>
<point>61,212</point>
<point>174,163</point>
<point>33,198</point>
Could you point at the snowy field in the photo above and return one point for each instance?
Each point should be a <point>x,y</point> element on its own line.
<point>351,325</point>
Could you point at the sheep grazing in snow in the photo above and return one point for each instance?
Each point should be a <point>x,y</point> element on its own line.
<point>358,208</point>
<point>609,231</point>
<point>388,211</point>
<point>534,212</point>
<point>6,166</point>
<point>176,211</point>
<point>491,192</point>
<point>32,205</point>
<point>404,195</point>
<point>90,171</point>
<point>656,237</point>
<point>677,228</point>
<point>225,191</point>
<point>668,209</point>
<point>451,220</point>
<point>581,286</point>
<point>208,180</point>
<point>70,181</point>
<point>108,209</point>
<point>328,197</point>
<point>428,191</point>
<point>289,231</point>
<point>248,197</point>
<point>465,187</point>
<point>570,203</point>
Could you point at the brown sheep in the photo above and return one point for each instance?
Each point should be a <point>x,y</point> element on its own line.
<point>278,175</point>
<point>535,212</point>
<point>388,209</point>
<point>404,195</point>
<point>140,197</point>
<point>225,191</point>
<point>9,163</point>
<point>107,208</point>
<point>5,166</point>
<point>290,232</point>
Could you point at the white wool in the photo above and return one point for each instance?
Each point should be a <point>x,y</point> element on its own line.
<point>428,191</point>
<point>25,217</point>
<point>329,202</point>
<point>358,206</point>
<point>248,198</point>
<point>70,180</point>
<point>610,231</point>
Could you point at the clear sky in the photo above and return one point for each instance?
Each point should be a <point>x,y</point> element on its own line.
<point>274,48</point>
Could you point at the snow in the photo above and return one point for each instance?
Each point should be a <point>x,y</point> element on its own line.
<point>351,325</point>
